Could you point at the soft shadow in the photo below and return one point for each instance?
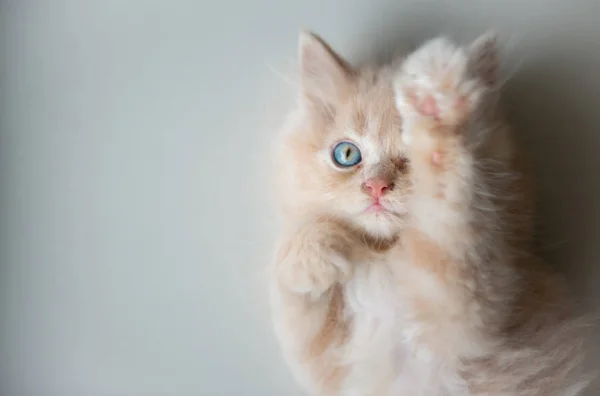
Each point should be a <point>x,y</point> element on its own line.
<point>552,103</point>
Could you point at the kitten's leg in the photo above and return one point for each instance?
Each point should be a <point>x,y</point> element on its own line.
<point>456,233</point>
<point>437,99</point>
<point>307,298</point>
<point>313,257</point>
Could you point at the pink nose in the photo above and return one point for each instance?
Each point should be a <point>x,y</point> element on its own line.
<point>377,187</point>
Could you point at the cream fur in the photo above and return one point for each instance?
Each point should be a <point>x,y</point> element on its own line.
<point>439,295</point>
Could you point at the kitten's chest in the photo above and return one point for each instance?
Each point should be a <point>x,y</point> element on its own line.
<point>410,302</point>
<point>383,330</point>
<point>385,336</point>
<point>385,287</point>
<point>374,291</point>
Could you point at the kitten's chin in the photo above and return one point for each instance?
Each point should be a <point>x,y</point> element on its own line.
<point>380,226</point>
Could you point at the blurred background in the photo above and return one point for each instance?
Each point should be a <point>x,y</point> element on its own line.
<point>134,220</point>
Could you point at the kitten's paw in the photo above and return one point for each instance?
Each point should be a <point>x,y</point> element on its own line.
<point>434,86</point>
<point>315,275</point>
<point>311,267</point>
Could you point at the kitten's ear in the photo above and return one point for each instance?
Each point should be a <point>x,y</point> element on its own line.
<point>484,58</point>
<point>324,74</point>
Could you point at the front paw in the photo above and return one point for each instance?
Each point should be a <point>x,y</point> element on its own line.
<point>307,266</point>
<point>434,91</point>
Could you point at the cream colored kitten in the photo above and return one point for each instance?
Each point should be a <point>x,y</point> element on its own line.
<point>404,267</point>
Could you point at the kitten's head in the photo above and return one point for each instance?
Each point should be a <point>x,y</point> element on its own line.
<point>342,154</point>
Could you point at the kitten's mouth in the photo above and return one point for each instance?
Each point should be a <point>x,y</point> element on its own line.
<point>376,207</point>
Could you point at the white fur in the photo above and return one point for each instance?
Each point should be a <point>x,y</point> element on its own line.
<point>416,327</point>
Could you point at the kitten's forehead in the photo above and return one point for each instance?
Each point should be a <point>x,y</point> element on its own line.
<point>374,117</point>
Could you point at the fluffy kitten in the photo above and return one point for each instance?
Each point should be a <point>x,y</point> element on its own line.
<point>404,265</point>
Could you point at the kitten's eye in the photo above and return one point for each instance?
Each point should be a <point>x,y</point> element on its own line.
<point>346,154</point>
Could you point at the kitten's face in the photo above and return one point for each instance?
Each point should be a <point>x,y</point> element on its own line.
<point>359,165</point>
<point>343,155</point>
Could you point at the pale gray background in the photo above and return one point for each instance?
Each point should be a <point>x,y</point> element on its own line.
<point>133,233</point>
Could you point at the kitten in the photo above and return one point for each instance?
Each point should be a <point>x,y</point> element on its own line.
<point>404,266</point>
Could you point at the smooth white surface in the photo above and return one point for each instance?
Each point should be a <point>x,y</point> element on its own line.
<point>134,227</point>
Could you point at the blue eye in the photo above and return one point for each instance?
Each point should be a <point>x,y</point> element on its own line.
<point>346,154</point>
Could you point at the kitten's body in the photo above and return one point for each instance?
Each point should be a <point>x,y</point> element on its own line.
<point>436,294</point>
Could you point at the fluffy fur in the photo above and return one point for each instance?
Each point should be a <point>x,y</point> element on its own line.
<point>438,294</point>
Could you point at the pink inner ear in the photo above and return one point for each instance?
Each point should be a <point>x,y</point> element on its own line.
<point>310,62</point>
<point>317,62</point>
<point>489,74</point>
<point>485,61</point>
